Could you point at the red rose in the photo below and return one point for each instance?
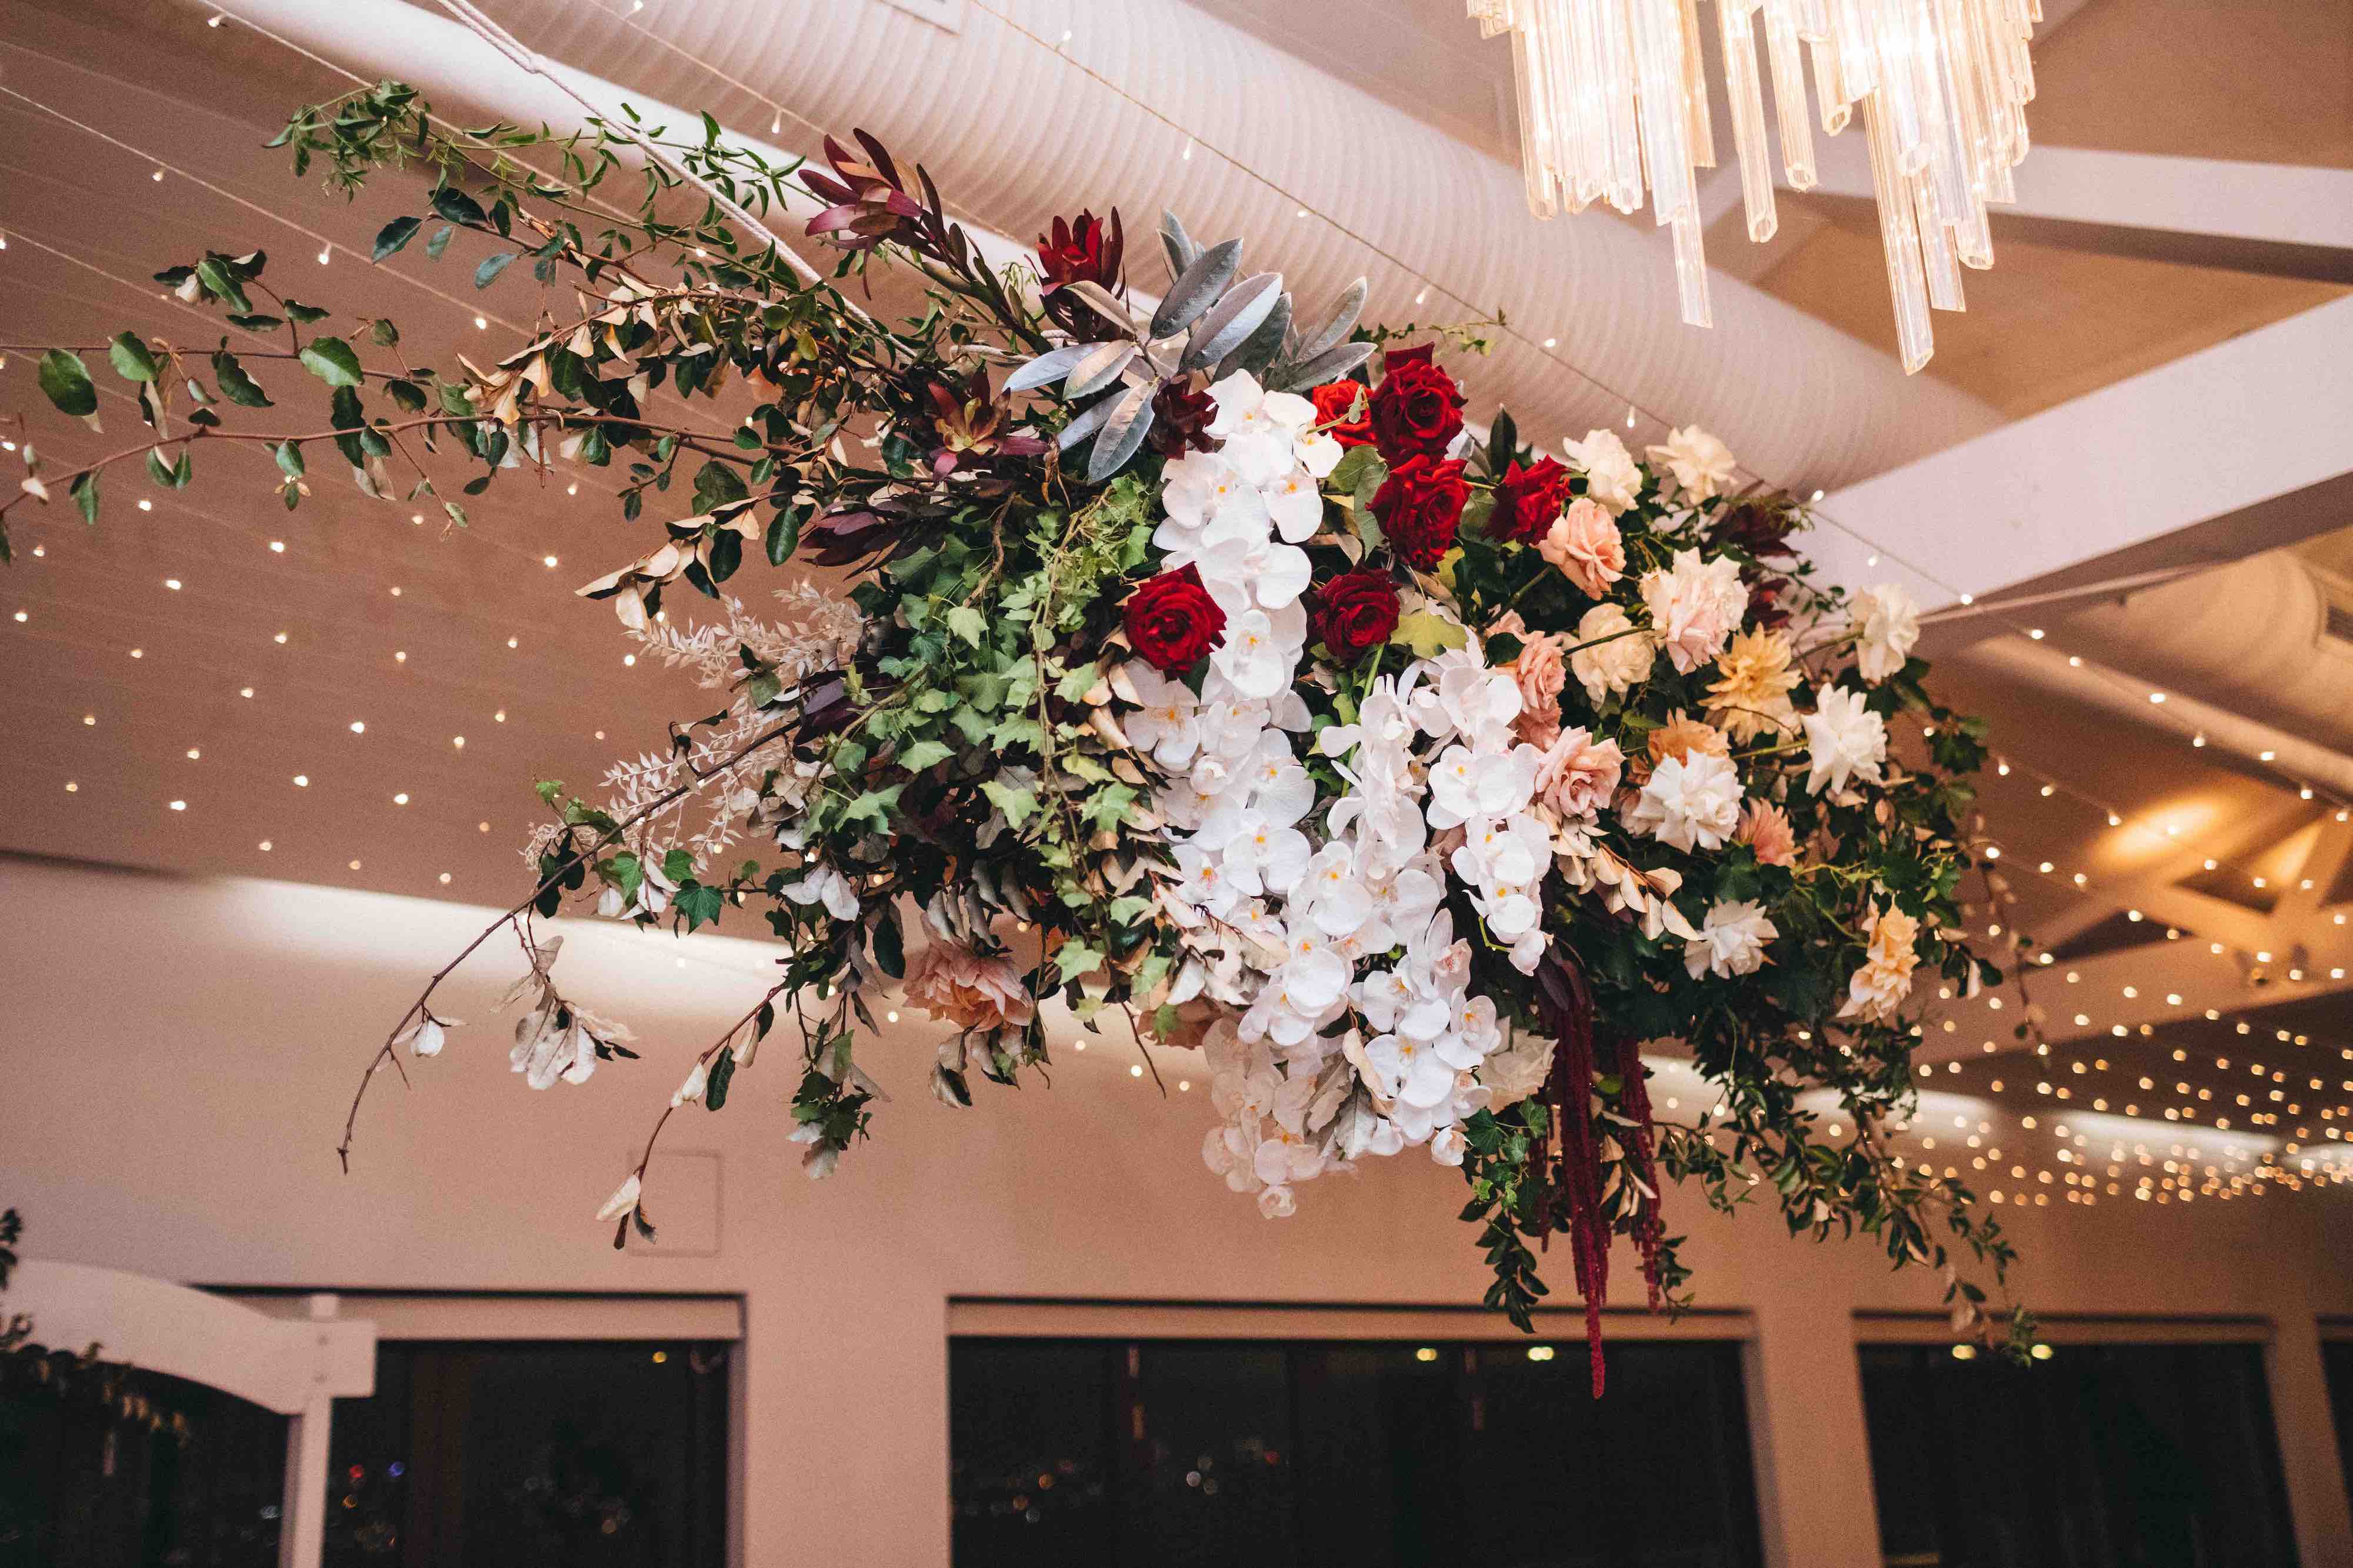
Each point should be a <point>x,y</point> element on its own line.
<point>1417,409</point>
<point>1082,250</point>
<point>1356,611</point>
<point>1172,621</point>
<point>1528,500</point>
<point>1419,506</point>
<point>1335,412</point>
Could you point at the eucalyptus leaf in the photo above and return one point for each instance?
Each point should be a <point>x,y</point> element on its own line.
<point>1335,326</point>
<point>1258,350</point>
<point>1086,424</point>
<point>235,385</point>
<point>396,234</point>
<point>1238,313</point>
<point>1198,288</point>
<point>1177,245</point>
<point>1330,365</point>
<point>1123,433</point>
<point>1100,368</point>
<point>491,267</point>
<point>1052,366</point>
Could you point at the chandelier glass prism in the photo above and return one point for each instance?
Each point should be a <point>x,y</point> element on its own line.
<point>1613,98</point>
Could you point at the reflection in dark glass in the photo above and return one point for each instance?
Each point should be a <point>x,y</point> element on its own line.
<point>2337,1357</point>
<point>599,1455</point>
<point>81,1488</point>
<point>1029,1440</point>
<point>2103,1456</point>
<point>1344,1454</point>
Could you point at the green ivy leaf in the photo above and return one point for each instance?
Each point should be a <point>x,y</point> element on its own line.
<point>66,380</point>
<point>967,623</point>
<point>924,755</point>
<point>132,360</point>
<point>699,904</point>
<point>332,362</point>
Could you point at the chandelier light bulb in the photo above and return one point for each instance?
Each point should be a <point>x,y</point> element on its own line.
<point>1613,105</point>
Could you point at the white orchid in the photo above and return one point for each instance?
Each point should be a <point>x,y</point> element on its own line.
<point>1844,740</point>
<point>1167,727</point>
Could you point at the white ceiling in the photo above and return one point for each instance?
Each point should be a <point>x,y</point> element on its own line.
<point>359,583</point>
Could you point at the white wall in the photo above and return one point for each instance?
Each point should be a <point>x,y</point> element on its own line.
<point>176,1056</point>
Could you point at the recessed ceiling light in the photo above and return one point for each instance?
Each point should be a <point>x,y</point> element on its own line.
<point>400,656</point>
<point>22,617</point>
<point>301,780</point>
<point>179,806</point>
<point>264,844</point>
<point>359,727</point>
<point>510,642</point>
<point>484,827</point>
<point>146,505</point>
<point>459,741</point>
<point>400,799</point>
<point>71,787</point>
<point>90,717</point>
<point>278,545</point>
<point>354,865</point>
<point>396,593</point>
<point>280,638</point>
<point>193,753</point>
<point>245,691</point>
<point>138,653</point>
<point>445,878</point>
<point>500,715</point>
<point>549,559</point>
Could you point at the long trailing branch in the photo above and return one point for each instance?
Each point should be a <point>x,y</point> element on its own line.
<point>418,1009</point>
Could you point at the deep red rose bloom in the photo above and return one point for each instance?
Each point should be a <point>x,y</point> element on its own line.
<point>1528,500</point>
<point>1082,250</point>
<point>1417,409</point>
<point>1333,402</point>
<point>1172,621</point>
<point>1356,611</point>
<point>1421,506</point>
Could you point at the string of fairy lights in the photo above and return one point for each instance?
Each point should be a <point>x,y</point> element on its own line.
<point>2173,1173</point>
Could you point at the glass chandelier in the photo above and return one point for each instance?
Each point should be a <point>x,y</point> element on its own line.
<point>1612,96</point>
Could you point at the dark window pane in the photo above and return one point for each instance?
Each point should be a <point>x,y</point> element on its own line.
<point>1213,1477</point>
<point>1030,1440</point>
<point>2337,1355</point>
<point>602,1455</point>
<point>2103,1456</point>
<point>1339,1455</point>
<point>79,1487</point>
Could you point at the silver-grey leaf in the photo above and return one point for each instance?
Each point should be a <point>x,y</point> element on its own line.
<point>1123,433</point>
<point>1052,366</point>
<point>1258,350</point>
<point>1330,365</point>
<point>1099,369</point>
<point>1085,424</point>
<point>1179,244</point>
<point>1197,287</point>
<point>1238,315</point>
<point>1106,304</point>
<point>1336,326</point>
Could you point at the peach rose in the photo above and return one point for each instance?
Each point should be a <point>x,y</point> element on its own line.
<point>1578,774</point>
<point>1584,545</point>
<point>1541,672</point>
<point>1681,735</point>
<point>971,990</point>
<point>1764,828</point>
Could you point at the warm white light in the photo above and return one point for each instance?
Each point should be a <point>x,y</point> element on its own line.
<point>280,638</point>
<point>459,741</point>
<point>278,547</point>
<point>400,799</point>
<point>71,787</point>
<point>194,754</point>
<point>146,505</point>
<point>301,780</point>
<point>265,845</point>
<point>359,727</point>
<point>548,560</point>
<point>179,806</point>
<point>245,691</point>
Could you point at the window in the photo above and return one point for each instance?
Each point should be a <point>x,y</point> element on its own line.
<point>2337,1358</point>
<point>81,1484</point>
<point>474,1454</point>
<point>1372,1454</point>
<point>2104,1454</point>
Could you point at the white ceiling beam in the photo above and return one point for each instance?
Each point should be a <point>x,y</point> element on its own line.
<point>2285,220</point>
<point>2243,446</point>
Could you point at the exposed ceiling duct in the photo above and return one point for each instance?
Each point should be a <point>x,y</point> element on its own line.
<point>1014,132</point>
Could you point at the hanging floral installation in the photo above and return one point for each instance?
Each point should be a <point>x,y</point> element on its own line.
<point>1182,667</point>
